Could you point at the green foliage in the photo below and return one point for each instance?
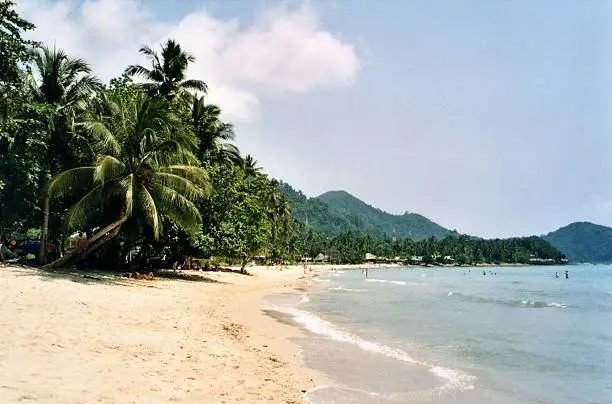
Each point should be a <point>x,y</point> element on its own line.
<point>583,242</point>
<point>376,221</point>
<point>146,174</point>
<point>453,249</point>
<point>14,51</point>
<point>23,169</point>
<point>166,77</point>
<point>235,218</point>
<point>214,135</point>
<point>22,138</point>
<point>317,214</point>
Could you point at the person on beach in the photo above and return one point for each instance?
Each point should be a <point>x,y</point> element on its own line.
<point>81,241</point>
<point>566,274</point>
<point>6,252</point>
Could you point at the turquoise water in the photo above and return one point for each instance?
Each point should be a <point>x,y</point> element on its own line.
<point>454,335</point>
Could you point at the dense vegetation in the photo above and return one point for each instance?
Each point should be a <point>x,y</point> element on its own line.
<point>453,249</point>
<point>337,212</point>
<point>583,242</point>
<point>149,171</point>
<point>143,164</point>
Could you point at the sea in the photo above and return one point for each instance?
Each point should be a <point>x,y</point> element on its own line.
<point>456,335</point>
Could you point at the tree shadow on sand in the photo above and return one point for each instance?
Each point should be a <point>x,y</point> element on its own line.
<point>92,276</point>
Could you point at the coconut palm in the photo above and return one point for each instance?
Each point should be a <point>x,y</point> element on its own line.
<point>65,84</point>
<point>213,134</point>
<point>250,165</point>
<point>146,174</point>
<point>166,77</point>
<point>279,215</point>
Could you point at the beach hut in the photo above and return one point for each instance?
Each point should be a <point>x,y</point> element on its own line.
<point>370,257</point>
<point>321,258</point>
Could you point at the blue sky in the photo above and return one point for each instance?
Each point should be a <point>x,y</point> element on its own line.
<point>491,117</point>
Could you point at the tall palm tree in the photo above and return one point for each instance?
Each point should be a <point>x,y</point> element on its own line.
<point>251,167</point>
<point>146,174</point>
<point>279,215</point>
<point>213,134</point>
<point>166,77</point>
<point>65,84</point>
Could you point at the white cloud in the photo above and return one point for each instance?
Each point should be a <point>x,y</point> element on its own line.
<point>283,51</point>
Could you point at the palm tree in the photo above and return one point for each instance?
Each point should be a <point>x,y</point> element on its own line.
<point>65,84</point>
<point>251,167</point>
<point>213,134</point>
<point>279,215</point>
<point>147,173</point>
<point>166,77</point>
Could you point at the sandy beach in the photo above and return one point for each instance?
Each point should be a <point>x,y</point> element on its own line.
<point>70,338</point>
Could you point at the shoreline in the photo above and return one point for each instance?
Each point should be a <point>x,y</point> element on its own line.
<point>72,338</point>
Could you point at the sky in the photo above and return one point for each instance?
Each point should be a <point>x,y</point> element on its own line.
<point>489,117</point>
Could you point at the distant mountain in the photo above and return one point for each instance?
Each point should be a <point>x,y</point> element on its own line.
<point>336,212</point>
<point>371,219</point>
<point>583,242</point>
<point>317,214</point>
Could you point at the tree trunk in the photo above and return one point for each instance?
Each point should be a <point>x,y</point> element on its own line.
<point>245,261</point>
<point>97,240</point>
<point>42,256</point>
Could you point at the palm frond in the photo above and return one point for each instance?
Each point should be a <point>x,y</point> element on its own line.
<point>229,152</point>
<point>108,167</point>
<point>87,206</point>
<point>127,184</point>
<point>177,208</point>
<point>198,85</point>
<point>71,180</point>
<point>147,206</point>
<point>105,141</point>
<point>196,175</point>
<point>138,70</point>
<point>180,184</point>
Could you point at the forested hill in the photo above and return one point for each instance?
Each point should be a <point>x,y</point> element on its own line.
<point>583,242</point>
<point>408,225</point>
<point>337,212</point>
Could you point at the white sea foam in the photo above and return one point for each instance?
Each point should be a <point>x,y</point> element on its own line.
<point>386,281</point>
<point>450,294</point>
<point>320,280</point>
<point>455,379</point>
<point>559,305</point>
<point>342,288</point>
<point>305,299</point>
<point>533,303</point>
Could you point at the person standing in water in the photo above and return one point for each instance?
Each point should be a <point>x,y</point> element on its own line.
<point>566,274</point>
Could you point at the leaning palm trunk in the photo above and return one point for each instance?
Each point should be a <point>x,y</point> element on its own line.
<point>96,241</point>
<point>42,256</point>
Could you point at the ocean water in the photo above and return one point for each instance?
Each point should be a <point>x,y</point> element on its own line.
<point>454,335</point>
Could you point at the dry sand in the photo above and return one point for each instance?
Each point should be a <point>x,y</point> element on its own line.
<point>66,338</point>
